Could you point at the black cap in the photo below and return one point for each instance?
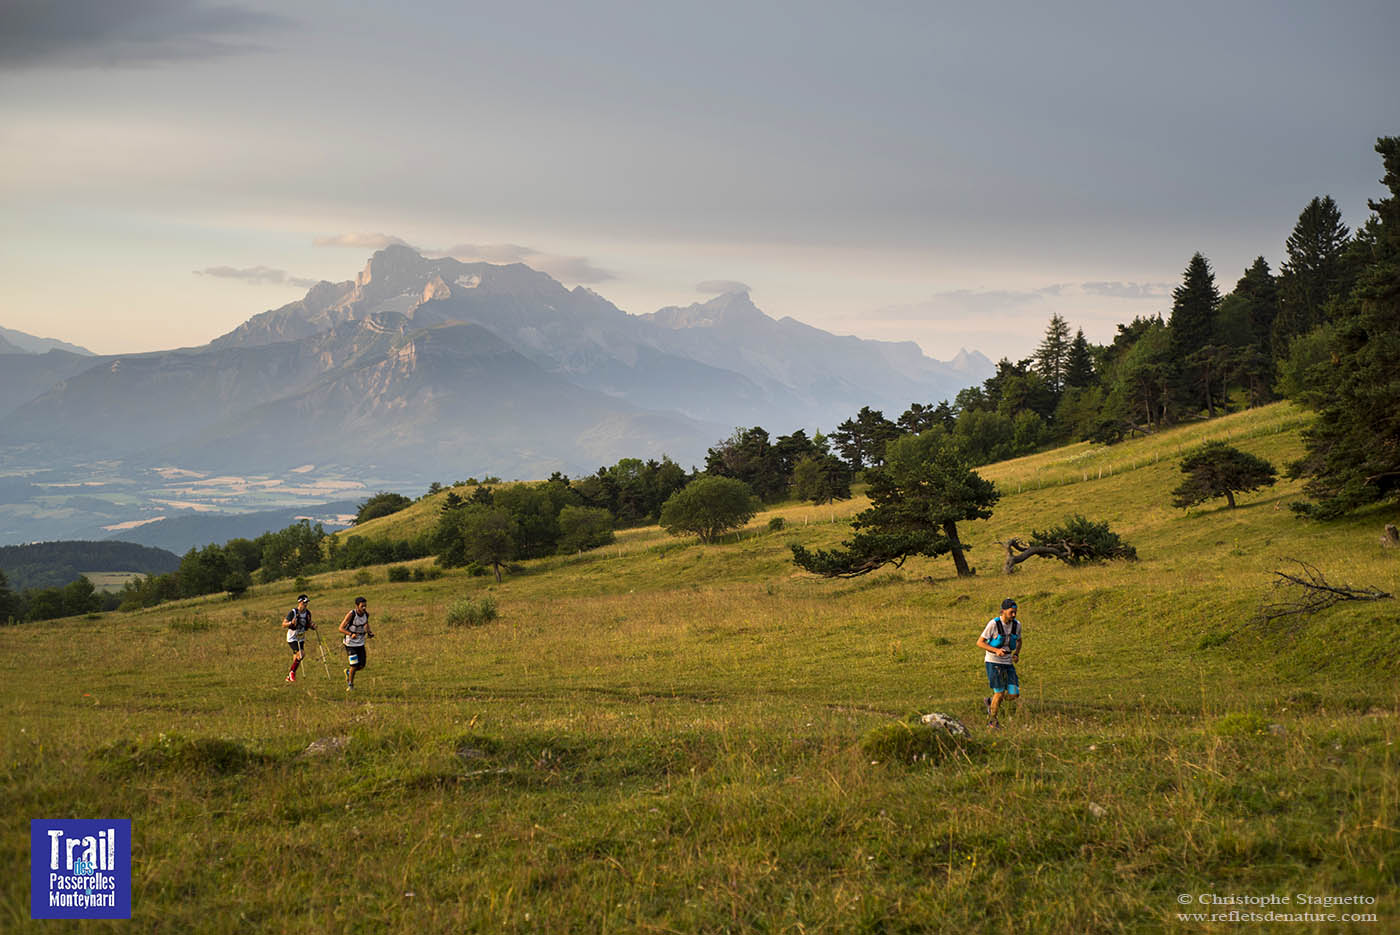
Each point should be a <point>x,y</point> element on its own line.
<point>1008,604</point>
<point>303,597</point>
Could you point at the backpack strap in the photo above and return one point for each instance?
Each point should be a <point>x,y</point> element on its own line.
<point>1001,634</point>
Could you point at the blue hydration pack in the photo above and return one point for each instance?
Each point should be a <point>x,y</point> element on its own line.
<point>1011,641</point>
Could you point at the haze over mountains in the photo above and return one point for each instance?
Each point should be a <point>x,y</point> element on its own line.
<point>426,369</point>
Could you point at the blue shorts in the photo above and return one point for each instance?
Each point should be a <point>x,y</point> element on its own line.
<point>1003,678</point>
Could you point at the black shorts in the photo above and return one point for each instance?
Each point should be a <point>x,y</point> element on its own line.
<point>358,656</point>
<point>297,646</point>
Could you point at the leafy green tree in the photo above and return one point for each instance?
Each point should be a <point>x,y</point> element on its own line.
<point>9,602</point>
<point>202,571</point>
<point>381,504</point>
<point>1078,413</point>
<point>45,604</point>
<point>584,527</point>
<point>242,555</point>
<point>475,533</point>
<point>1142,378</point>
<point>1025,390</point>
<point>971,398</point>
<point>1219,470</point>
<point>1307,354</point>
<point>749,456</point>
<point>1352,450</point>
<point>1028,432</point>
<point>984,436</point>
<point>237,583</point>
<point>632,490</point>
<point>918,497</point>
<point>708,507</point>
<point>290,552</point>
<point>534,508</point>
<point>821,479</point>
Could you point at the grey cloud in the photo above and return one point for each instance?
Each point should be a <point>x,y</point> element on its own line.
<point>1129,290</point>
<point>257,275</point>
<point>116,33</point>
<point>960,303</point>
<point>721,287</point>
<point>575,269</point>
<point>490,252</point>
<point>360,240</point>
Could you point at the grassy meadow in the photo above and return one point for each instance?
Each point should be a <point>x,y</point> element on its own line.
<point>661,736</point>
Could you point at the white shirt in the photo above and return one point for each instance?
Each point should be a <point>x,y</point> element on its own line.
<point>359,623</point>
<point>989,633</point>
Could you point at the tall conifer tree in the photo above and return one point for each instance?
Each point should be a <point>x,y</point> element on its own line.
<point>1052,357</point>
<point>1353,449</point>
<point>1079,367</point>
<point>1314,272</point>
<point>1194,303</point>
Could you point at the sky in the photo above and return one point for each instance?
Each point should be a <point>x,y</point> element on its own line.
<point>947,173</point>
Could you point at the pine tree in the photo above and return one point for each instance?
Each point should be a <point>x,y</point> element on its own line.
<point>1314,272</point>
<point>917,498</point>
<point>1194,304</point>
<point>1052,357</point>
<point>1259,289</point>
<point>1192,327</point>
<point>1353,449</point>
<point>1079,365</point>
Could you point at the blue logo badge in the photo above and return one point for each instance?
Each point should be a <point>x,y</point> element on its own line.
<point>80,868</point>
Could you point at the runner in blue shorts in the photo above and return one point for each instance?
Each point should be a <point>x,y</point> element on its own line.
<point>1002,640</point>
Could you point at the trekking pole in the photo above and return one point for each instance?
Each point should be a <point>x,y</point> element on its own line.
<point>322,647</point>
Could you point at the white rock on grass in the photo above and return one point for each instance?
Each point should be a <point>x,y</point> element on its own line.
<point>949,723</point>
<point>326,746</point>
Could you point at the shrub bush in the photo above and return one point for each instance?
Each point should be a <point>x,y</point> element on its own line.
<point>465,612</point>
<point>908,743</point>
<point>399,573</point>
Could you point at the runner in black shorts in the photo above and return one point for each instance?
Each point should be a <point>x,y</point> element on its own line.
<point>355,626</point>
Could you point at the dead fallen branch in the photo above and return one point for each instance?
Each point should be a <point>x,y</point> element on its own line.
<point>1307,591</point>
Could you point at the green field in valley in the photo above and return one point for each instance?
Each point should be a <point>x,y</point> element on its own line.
<point>661,736</point>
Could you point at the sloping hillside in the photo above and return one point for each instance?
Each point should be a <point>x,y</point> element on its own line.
<point>663,736</point>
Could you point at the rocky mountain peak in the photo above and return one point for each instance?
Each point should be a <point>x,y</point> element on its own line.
<point>394,262</point>
<point>728,310</point>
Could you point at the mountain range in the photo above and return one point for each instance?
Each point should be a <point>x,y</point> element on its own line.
<point>424,369</point>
